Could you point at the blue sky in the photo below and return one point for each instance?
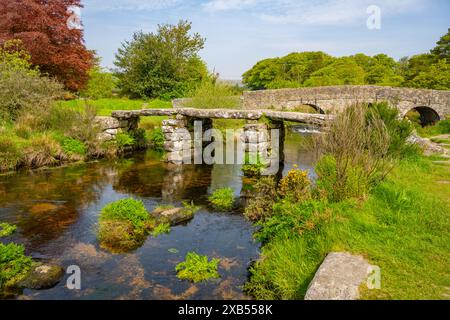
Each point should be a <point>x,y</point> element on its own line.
<point>241,32</point>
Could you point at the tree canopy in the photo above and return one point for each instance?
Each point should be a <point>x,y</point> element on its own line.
<point>162,64</point>
<point>42,26</point>
<point>306,69</point>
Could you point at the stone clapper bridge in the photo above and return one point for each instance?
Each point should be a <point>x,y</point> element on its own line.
<point>279,106</point>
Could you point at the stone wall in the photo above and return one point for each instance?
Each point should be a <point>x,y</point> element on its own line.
<point>110,126</point>
<point>336,98</point>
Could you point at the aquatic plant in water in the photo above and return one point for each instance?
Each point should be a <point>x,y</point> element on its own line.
<point>6,229</point>
<point>197,268</point>
<point>14,265</point>
<point>160,229</point>
<point>124,225</point>
<point>222,199</point>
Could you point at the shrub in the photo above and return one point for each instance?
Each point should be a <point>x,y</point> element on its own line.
<point>359,144</point>
<point>197,268</point>
<point>14,264</point>
<point>253,167</point>
<point>124,140</point>
<point>6,229</point>
<point>295,186</point>
<point>140,139</point>
<point>101,84</point>
<point>260,206</point>
<point>211,94</point>
<point>124,224</point>
<point>73,147</point>
<point>222,199</point>
<point>22,89</point>
<point>156,139</point>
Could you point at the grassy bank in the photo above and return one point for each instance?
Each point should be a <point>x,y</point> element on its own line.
<point>403,227</point>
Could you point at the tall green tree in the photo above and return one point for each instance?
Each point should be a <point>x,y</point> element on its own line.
<point>442,49</point>
<point>164,64</point>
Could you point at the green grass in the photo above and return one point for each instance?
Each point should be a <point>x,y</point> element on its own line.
<point>222,199</point>
<point>442,127</point>
<point>197,268</point>
<point>105,107</point>
<point>403,227</point>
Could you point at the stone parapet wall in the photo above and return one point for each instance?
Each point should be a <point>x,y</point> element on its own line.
<point>336,98</point>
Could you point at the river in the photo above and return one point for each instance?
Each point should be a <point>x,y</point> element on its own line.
<point>56,211</point>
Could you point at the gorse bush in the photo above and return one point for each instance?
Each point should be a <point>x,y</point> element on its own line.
<point>197,268</point>
<point>295,186</point>
<point>222,199</point>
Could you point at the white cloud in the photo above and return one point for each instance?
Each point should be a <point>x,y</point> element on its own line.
<point>333,12</point>
<point>227,5</point>
<point>135,5</point>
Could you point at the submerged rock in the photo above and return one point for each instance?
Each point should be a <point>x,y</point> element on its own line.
<point>43,276</point>
<point>173,216</point>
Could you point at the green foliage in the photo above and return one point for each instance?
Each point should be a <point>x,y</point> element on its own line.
<point>189,208</point>
<point>401,228</point>
<point>124,140</point>
<point>222,199</point>
<point>11,153</point>
<point>306,69</point>
<point>161,229</point>
<point>72,147</point>
<point>442,49</point>
<point>264,196</point>
<point>213,94</point>
<point>399,130</point>
<point>22,89</point>
<point>253,165</point>
<point>344,71</point>
<point>156,139</point>
<point>14,264</point>
<point>6,229</point>
<point>442,127</point>
<point>124,225</point>
<point>101,84</point>
<point>162,64</point>
<point>197,268</point>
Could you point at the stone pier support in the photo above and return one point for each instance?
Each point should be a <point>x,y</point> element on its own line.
<point>261,141</point>
<point>180,140</point>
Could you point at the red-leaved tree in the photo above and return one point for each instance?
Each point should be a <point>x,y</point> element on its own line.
<point>54,45</point>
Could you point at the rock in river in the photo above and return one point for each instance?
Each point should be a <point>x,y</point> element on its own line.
<point>43,276</point>
<point>173,216</point>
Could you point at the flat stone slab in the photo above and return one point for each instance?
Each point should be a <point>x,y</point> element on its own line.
<point>339,277</point>
<point>311,118</point>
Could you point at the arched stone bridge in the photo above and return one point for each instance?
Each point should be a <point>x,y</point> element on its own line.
<point>432,105</point>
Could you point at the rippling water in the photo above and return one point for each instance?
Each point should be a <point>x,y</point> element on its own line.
<point>56,211</point>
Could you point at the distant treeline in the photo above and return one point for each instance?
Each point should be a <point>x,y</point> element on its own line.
<point>309,69</point>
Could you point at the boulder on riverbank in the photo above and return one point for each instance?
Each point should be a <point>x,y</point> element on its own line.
<point>339,277</point>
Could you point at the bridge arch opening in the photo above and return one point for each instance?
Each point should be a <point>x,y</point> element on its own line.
<point>425,116</point>
<point>307,108</point>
